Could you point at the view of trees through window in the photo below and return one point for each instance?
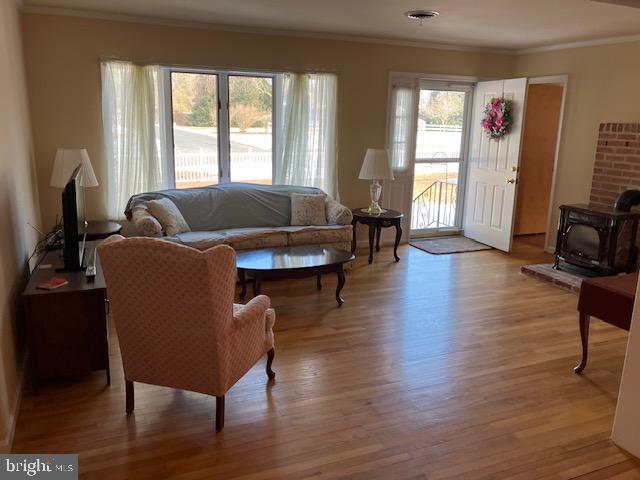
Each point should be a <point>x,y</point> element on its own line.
<point>250,120</point>
<point>196,133</point>
<point>441,107</point>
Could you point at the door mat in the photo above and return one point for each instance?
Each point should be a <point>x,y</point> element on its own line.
<point>445,245</point>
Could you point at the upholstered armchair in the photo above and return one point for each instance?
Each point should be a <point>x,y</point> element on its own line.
<point>176,321</point>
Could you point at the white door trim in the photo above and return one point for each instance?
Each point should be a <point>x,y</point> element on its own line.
<point>415,79</point>
<point>454,86</point>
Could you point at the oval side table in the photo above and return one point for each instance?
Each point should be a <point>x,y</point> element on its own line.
<point>376,222</point>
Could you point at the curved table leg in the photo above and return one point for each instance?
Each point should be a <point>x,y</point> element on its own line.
<point>354,224</point>
<point>378,231</point>
<point>319,281</point>
<point>584,336</point>
<point>341,281</point>
<point>270,373</point>
<point>243,282</point>
<point>372,232</point>
<point>398,237</point>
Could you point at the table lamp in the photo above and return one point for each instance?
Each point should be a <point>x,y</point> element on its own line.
<point>66,161</point>
<point>376,166</point>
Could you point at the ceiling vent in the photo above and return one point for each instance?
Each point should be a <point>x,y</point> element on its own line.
<point>421,15</point>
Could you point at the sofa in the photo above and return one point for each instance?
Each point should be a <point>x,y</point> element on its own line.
<point>243,216</point>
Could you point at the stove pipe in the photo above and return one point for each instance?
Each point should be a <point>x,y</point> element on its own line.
<point>626,200</point>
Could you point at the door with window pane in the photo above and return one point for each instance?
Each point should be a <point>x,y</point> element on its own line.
<point>251,129</point>
<point>194,110</point>
<point>440,144</point>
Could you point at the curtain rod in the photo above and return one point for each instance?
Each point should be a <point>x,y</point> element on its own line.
<point>217,67</point>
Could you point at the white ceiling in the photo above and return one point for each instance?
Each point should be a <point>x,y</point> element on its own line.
<point>499,24</point>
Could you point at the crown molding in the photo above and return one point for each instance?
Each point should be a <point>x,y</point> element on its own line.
<point>116,17</point>
<point>580,44</point>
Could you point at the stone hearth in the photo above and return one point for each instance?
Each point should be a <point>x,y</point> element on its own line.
<point>558,278</point>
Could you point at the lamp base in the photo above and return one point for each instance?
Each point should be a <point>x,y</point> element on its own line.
<point>373,209</point>
<point>375,189</point>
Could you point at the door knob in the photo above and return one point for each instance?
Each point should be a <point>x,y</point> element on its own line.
<point>511,181</point>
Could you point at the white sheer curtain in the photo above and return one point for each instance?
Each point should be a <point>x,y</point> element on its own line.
<point>404,104</point>
<point>130,116</point>
<point>307,137</point>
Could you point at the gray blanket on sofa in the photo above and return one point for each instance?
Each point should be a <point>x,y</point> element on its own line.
<point>231,205</point>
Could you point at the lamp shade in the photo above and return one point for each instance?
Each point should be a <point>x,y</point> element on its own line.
<point>376,165</point>
<point>66,161</point>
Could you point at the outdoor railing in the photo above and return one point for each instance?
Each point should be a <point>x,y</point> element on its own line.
<point>435,207</point>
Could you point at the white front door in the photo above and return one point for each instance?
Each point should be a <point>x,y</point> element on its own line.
<point>493,167</point>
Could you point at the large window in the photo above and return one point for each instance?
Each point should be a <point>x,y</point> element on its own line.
<point>168,127</point>
<point>222,127</point>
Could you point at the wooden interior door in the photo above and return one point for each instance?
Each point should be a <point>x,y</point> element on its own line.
<point>493,167</point>
<point>544,103</point>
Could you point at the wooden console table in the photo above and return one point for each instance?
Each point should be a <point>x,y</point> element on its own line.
<point>66,328</point>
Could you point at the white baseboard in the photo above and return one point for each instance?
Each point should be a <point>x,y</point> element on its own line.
<point>7,442</point>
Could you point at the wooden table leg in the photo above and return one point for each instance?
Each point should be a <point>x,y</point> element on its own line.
<point>341,281</point>
<point>243,282</point>
<point>378,231</point>
<point>584,336</point>
<point>398,237</point>
<point>354,224</point>
<point>372,232</point>
<point>106,345</point>
<point>319,281</point>
<point>256,284</point>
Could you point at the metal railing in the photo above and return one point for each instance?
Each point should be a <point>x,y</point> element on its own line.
<point>435,207</point>
<point>203,167</point>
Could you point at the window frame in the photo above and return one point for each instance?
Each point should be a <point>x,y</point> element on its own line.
<point>224,131</point>
<point>468,89</point>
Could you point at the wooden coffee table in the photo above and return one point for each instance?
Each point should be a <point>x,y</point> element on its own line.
<point>292,262</point>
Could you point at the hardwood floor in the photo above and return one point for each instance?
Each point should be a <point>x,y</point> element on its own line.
<point>438,367</point>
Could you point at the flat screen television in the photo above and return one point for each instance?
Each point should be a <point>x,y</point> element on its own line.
<point>74,224</point>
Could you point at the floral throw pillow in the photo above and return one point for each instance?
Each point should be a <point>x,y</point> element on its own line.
<point>308,209</point>
<point>168,215</point>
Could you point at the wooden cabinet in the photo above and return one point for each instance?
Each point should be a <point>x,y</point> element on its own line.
<point>67,331</point>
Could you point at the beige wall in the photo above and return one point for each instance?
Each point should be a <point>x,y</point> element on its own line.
<point>62,55</point>
<point>603,87</point>
<point>18,205</point>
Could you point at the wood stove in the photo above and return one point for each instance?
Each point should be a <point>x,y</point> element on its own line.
<point>599,239</point>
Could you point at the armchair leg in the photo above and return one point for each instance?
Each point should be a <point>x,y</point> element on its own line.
<point>270,373</point>
<point>219,413</point>
<point>129,396</point>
